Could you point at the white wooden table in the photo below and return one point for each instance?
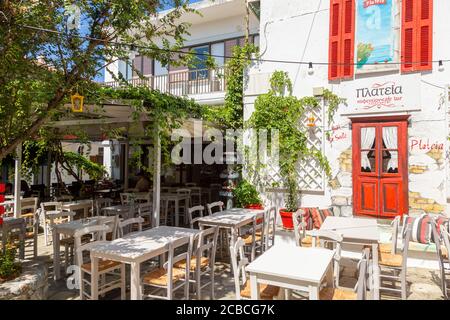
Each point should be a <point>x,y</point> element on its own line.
<point>84,205</point>
<point>176,198</point>
<point>68,229</point>
<point>231,219</point>
<point>134,249</point>
<point>123,210</point>
<point>292,267</point>
<point>362,231</point>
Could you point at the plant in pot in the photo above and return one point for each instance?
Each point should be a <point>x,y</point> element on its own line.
<point>281,111</point>
<point>246,196</point>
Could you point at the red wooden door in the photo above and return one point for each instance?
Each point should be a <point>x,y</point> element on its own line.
<point>380,175</point>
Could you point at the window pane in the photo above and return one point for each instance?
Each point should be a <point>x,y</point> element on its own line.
<point>199,63</point>
<point>390,137</point>
<point>368,161</point>
<point>367,138</point>
<point>218,50</point>
<point>390,161</point>
<point>137,65</point>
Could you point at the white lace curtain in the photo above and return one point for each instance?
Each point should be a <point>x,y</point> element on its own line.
<point>390,141</point>
<point>367,139</point>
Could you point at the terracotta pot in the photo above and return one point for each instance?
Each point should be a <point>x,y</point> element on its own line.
<point>258,207</point>
<point>286,219</point>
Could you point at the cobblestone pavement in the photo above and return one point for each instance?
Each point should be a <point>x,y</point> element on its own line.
<point>423,284</point>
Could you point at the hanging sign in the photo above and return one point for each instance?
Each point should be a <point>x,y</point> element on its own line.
<point>377,35</point>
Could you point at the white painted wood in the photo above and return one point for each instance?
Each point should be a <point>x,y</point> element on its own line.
<point>354,230</point>
<point>17,179</point>
<point>156,179</point>
<point>84,205</point>
<point>292,267</point>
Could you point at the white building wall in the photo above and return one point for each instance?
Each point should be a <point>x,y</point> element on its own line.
<point>298,31</point>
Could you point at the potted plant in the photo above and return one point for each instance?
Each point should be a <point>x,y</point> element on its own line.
<point>246,196</point>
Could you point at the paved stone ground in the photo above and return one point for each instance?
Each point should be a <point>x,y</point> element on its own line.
<point>423,283</point>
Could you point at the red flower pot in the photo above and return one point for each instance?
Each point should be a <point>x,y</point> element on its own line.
<point>286,219</point>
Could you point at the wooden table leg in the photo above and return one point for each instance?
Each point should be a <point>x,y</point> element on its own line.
<point>254,287</point>
<point>135,289</point>
<point>56,255</point>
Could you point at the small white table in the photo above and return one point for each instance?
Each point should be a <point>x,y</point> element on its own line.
<point>231,219</point>
<point>84,205</point>
<point>134,249</point>
<point>123,210</point>
<point>68,229</point>
<point>363,231</point>
<point>292,267</point>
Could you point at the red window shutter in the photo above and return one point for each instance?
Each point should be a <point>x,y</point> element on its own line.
<point>335,40</point>
<point>417,35</point>
<point>425,32</point>
<point>348,38</point>
<point>408,35</point>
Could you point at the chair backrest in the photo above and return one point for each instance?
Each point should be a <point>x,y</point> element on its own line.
<point>299,227</point>
<point>190,184</point>
<point>29,205</point>
<point>112,223</point>
<point>214,205</point>
<point>363,268</point>
<point>51,205</point>
<point>191,212</point>
<point>101,203</point>
<point>145,211</point>
<point>184,191</point>
<point>142,197</point>
<point>395,224</point>
<point>98,233</point>
<point>64,198</point>
<point>406,236</point>
<point>125,198</point>
<point>61,217</point>
<point>205,245</point>
<point>238,263</point>
<point>178,250</point>
<point>269,227</point>
<point>328,239</point>
<point>125,226</point>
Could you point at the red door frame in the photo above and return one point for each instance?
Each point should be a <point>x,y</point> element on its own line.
<point>377,178</point>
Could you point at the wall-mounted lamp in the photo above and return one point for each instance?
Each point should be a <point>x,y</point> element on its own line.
<point>441,66</point>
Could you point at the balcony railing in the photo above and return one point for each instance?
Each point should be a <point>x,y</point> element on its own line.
<point>180,83</point>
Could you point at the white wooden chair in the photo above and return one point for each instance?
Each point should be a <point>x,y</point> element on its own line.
<point>254,237</point>
<point>112,223</point>
<point>192,211</point>
<point>126,226</point>
<point>394,266</point>
<point>391,247</point>
<point>269,227</point>
<point>66,242</point>
<point>29,211</point>
<point>126,198</point>
<point>48,206</point>
<point>64,198</point>
<point>112,273</point>
<point>101,203</point>
<point>241,283</point>
<point>359,292</point>
<point>442,241</point>
<point>169,278</point>
<point>301,238</point>
<point>185,204</point>
<point>196,194</point>
<point>331,240</point>
<point>190,184</point>
<point>202,260</point>
<point>212,206</point>
<point>145,211</point>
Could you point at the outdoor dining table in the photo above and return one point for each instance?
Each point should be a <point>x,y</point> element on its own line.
<point>361,231</point>
<point>232,219</point>
<point>293,268</point>
<point>175,198</point>
<point>134,249</point>
<point>68,229</point>
<point>123,210</point>
<point>84,205</point>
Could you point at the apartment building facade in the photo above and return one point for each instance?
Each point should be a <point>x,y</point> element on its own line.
<point>388,144</point>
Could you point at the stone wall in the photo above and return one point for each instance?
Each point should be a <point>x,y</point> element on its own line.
<point>341,185</point>
<point>32,284</point>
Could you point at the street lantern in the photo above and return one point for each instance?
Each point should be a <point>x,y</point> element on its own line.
<point>77,102</point>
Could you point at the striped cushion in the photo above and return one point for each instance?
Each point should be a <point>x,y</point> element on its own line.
<point>307,218</point>
<point>442,222</point>
<point>319,216</point>
<point>421,228</point>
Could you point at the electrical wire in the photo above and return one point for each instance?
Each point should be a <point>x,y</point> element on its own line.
<point>134,46</point>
